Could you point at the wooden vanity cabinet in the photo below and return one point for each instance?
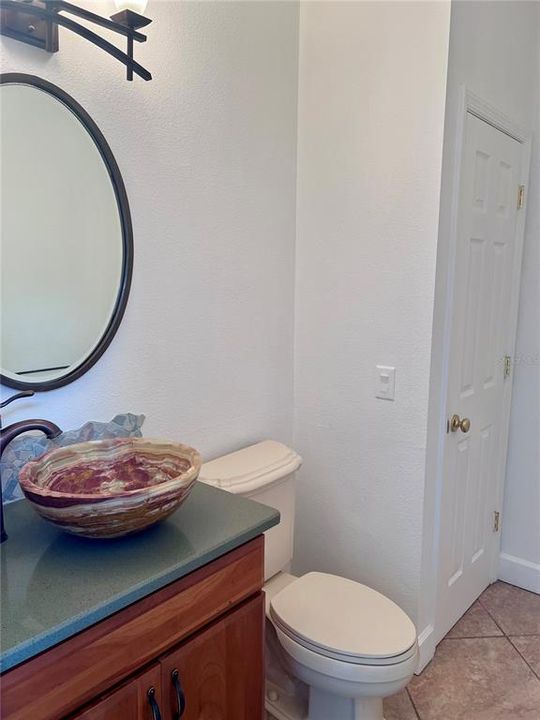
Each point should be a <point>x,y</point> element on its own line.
<point>215,675</point>
<point>200,638</point>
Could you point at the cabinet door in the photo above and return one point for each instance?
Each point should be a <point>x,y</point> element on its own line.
<point>220,670</point>
<point>130,701</point>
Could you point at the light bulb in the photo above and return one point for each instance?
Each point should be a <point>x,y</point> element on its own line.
<point>138,6</point>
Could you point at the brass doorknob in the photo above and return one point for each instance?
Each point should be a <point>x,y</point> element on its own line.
<point>457,423</point>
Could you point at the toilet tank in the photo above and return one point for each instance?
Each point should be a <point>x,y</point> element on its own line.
<point>263,472</point>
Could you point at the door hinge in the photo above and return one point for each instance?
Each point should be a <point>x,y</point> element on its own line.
<point>521,197</point>
<point>507,366</point>
<point>496,521</point>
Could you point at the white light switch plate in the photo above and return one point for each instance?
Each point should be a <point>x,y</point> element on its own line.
<point>385,387</point>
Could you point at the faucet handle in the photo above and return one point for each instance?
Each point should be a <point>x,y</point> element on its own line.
<point>24,393</point>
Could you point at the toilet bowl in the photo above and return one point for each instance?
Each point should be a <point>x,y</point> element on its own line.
<point>335,647</point>
<point>351,645</point>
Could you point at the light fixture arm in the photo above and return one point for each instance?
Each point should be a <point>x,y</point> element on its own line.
<point>61,5</point>
<point>15,15</point>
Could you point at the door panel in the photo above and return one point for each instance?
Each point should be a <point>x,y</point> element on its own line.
<point>474,461</point>
<point>220,669</point>
<point>129,702</point>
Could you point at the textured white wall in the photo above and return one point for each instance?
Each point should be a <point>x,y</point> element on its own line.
<point>493,51</point>
<point>520,559</point>
<point>371,112</point>
<point>208,154</point>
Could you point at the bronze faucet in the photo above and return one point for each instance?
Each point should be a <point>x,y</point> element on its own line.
<point>11,431</point>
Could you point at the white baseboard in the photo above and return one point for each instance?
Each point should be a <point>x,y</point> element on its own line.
<point>426,647</point>
<point>519,572</point>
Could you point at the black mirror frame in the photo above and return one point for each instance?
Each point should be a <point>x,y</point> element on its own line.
<point>127,234</point>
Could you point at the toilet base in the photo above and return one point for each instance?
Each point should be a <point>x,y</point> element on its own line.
<point>327,706</point>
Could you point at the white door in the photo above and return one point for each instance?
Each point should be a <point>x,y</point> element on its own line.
<point>482,335</point>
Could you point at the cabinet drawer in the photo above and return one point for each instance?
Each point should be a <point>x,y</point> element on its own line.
<point>73,673</point>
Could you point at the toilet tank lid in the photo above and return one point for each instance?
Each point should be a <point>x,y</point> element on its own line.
<point>251,467</point>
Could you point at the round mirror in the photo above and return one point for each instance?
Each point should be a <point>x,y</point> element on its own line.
<point>66,240</point>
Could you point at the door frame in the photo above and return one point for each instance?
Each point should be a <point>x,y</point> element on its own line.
<point>468,102</point>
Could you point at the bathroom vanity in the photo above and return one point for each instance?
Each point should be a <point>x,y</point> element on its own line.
<point>165,624</point>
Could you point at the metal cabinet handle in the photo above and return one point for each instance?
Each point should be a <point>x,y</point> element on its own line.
<point>156,714</point>
<point>180,695</point>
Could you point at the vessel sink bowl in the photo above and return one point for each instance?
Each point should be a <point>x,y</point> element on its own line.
<point>109,488</point>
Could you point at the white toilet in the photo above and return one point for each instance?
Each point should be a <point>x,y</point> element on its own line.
<point>335,648</point>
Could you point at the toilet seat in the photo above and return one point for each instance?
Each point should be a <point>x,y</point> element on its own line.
<point>341,657</point>
<point>349,672</point>
<point>343,621</point>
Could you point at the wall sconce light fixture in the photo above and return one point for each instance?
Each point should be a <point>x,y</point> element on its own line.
<point>36,22</point>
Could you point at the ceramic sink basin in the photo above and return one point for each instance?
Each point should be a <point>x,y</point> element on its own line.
<point>109,488</point>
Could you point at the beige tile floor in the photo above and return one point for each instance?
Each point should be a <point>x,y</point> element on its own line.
<point>486,668</point>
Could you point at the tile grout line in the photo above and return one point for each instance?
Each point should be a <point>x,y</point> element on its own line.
<point>522,656</point>
<point>510,639</point>
<point>472,637</point>
<point>479,600</point>
<point>416,712</point>
<point>491,616</point>
<point>522,634</point>
<point>499,626</point>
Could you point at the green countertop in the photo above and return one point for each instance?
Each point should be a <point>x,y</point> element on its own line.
<point>55,585</point>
